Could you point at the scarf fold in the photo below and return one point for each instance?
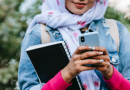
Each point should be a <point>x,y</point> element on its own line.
<point>55,15</point>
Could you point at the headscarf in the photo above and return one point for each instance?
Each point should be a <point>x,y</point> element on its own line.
<point>55,15</point>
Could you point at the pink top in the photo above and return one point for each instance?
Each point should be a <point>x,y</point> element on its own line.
<point>56,83</point>
<point>117,82</point>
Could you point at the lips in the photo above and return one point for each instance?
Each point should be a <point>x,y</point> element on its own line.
<point>79,5</point>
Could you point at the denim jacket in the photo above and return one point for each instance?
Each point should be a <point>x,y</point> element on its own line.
<point>27,76</point>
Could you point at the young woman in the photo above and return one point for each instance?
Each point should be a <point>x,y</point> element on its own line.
<point>65,20</point>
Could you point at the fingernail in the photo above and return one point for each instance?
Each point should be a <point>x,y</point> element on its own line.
<point>101,60</point>
<point>90,47</point>
<point>93,48</point>
<point>100,52</point>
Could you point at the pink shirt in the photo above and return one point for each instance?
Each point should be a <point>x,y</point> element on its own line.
<point>56,83</point>
<point>117,82</point>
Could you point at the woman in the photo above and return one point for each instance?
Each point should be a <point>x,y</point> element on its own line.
<point>70,18</point>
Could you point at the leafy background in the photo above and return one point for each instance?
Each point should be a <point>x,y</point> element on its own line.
<point>13,24</point>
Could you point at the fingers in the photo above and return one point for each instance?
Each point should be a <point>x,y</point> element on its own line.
<point>86,55</point>
<point>88,61</point>
<point>101,49</point>
<point>91,54</point>
<point>103,68</point>
<point>80,64</point>
<point>81,48</point>
<point>104,57</point>
<point>84,68</point>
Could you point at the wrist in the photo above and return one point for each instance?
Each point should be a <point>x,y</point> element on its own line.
<point>108,75</point>
<point>66,75</point>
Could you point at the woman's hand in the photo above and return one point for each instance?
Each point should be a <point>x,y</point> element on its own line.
<point>105,67</point>
<point>77,65</point>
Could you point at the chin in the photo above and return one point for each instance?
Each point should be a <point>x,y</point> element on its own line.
<point>79,12</point>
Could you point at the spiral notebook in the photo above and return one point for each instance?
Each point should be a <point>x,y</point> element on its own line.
<point>48,59</point>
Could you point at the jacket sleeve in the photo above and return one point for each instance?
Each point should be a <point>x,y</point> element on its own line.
<point>124,51</point>
<point>27,76</point>
<point>120,79</point>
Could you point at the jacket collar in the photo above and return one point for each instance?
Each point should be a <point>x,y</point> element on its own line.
<point>95,27</point>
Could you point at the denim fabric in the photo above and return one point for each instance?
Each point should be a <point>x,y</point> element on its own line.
<point>27,76</point>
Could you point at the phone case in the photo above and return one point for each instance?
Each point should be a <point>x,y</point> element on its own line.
<point>90,39</point>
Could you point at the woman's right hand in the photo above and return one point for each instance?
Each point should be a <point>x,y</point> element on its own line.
<point>77,65</point>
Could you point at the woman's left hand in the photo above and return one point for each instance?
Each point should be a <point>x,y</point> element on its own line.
<point>105,67</point>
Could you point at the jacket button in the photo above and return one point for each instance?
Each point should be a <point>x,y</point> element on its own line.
<point>113,60</point>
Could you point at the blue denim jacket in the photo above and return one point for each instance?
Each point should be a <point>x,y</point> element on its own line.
<point>27,76</point>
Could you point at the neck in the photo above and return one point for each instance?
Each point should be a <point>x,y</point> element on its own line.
<point>84,29</point>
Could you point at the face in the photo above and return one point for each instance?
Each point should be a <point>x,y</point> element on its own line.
<point>79,7</point>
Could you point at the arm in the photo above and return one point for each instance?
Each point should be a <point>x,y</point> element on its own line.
<point>124,66</point>
<point>56,83</point>
<point>27,76</point>
<point>118,82</point>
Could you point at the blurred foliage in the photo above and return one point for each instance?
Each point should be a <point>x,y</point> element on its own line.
<point>10,38</point>
<point>13,25</point>
<point>114,14</point>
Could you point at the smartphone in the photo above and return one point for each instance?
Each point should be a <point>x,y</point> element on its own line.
<point>90,39</point>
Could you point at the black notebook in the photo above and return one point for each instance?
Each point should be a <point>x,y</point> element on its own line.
<point>48,59</point>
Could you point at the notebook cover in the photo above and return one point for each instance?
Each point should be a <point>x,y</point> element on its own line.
<point>48,61</point>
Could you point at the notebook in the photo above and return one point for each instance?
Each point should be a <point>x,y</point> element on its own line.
<point>48,59</point>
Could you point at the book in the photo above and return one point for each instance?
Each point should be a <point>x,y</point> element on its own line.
<point>48,59</point>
